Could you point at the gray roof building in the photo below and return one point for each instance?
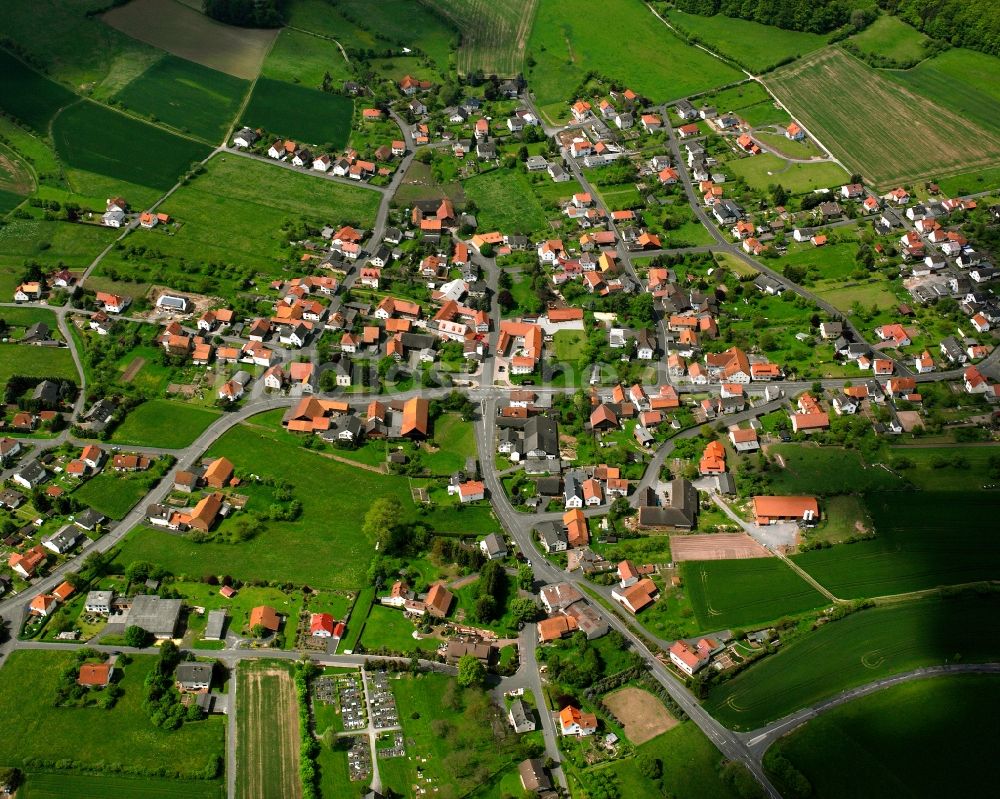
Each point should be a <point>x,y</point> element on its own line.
<point>193,676</point>
<point>157,616</point>
<point>533,776</point>
<point>216,625</point>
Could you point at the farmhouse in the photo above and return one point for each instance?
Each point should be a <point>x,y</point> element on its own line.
<point>638,596</point>
<point>573,721</point>
<point>95,675</point>
<point>770,510</point>
<point>159,617</point>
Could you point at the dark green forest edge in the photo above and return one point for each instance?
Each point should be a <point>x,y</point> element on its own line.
<point>248,13</point>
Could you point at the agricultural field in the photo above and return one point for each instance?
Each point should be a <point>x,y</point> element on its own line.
<point>965,82</point>
<point>53,785</point>
<point>566,45</point>
<point>91,137</point>
<point>756,47</point>
<point>187,33</point>
<point>74,49</point>
<point>300,113</point>
<point>917,545</point>
<point>267,736</point>
<point>186,96</point>
<point>505,201</point>
<point>890,37</point>
<point>859,649</point>
<point>17,179</point>
<point>300,57</point>
<point>331,520</point>
<point>901,741</point>
<point>494,34</point>
<point>766,169</point>
<point>29,96</point>
<point>877,127</point>
<point>163,423</point>
<point>326,19</point>
<point>90,737</point>
<point>746,592</point>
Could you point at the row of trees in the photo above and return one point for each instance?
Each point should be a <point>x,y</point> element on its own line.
<point>247,13</point>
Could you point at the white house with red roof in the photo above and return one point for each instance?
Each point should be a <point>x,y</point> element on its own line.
<point>321,625</point>
<point>687,658</point>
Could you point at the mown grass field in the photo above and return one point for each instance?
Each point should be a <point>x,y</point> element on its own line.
<point>411,24</point>
<point>505,202</point>
<point>21,359</point>
<point>91,737</point>
<point>766,169</point>
<point>739,593</point>
<point>189,34</point>
<point>690,766</point>
<point>267,736</point>
<point>963,81</point>
<point>890,37</point>
<point>78,51</point>
<point>757,47</point>
<point>28,95</point>
<point>324,18</point>
<point>567,44</point>
<point>868,294</point>
<point>111,493</point>
<point>299,57</point>
<point>877,127</point>
<point>331,519</point>
<point>389,628</point>
<point>927,738</point>
<point>859,649</point>
<point>811,469</point>
<point>91,137</point>
<point>187,96</point>
<point>918,545</point>
<point>48,243</point>
<point>494,33</point>
<point>163,423</point>
<point>53,785</point>
<point>947,468</point>
<point>300,113</point>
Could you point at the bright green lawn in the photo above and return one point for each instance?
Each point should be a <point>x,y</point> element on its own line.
<point>92,736</point>
<point>690,767</point>
<point>925,739</point>
<point>330,524</point>
<point>21,359</point>
<point>761,171</point>
<point>388,627</point>
<point>113,494</point>
<point>505,202</point>
<point>891,38</point>
<point>163,423</point>
<point>757,47</point>
<point>861,648</point>
<point>50,244</point>
<point>566,45</point>
<point>918,545</point>
<point>287,604</point>
<point>740,593</point>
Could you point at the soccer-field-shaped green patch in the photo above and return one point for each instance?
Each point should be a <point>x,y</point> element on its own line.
<point>186,96</point>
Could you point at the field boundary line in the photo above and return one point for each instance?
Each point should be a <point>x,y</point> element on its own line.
<point>246,98</point>
<point>343,52</point>
<point>808,577</point>
<point>923,593</point>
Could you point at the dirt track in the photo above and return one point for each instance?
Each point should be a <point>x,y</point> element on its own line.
<point>715,547</point>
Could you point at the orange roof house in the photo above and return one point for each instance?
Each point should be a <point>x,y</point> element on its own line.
<point>438,600</point>
<point>205,512</point>
<point>573,721</point>
<point>266,617</point>
<point>555,628</point>
<point>577,532</point>
<point>219,472</point>
<point>713,459</point>
<point>771,509</point>
<point>415,422</point>
<point>63,591</point>
<point>95,675</point>
<point>636,597</point>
